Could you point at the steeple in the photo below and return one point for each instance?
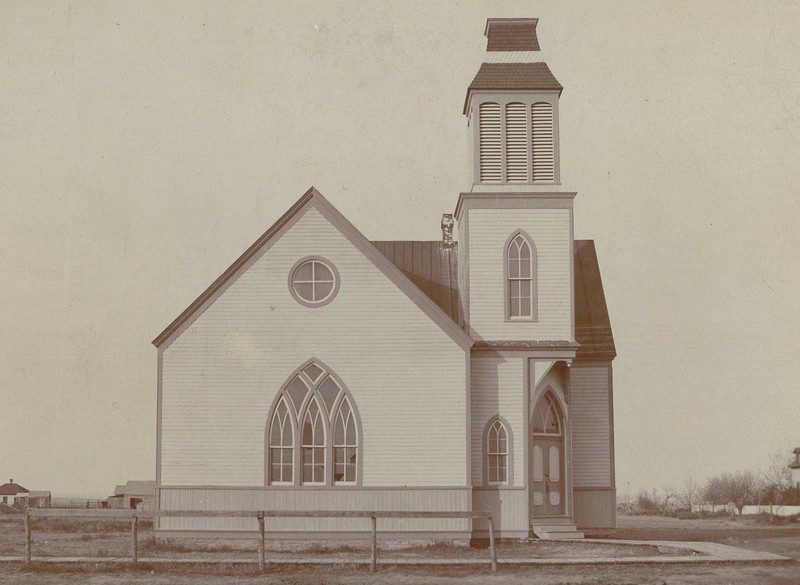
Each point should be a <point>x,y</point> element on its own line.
<point>512,106</point>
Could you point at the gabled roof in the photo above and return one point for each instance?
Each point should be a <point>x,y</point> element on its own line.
<point>313,198</point>
<point>513,76</point>
<point>136,488</point>
<point>431,266</point>
<point>418,260</point>
<point>12,489</point>
<point>592,324</point>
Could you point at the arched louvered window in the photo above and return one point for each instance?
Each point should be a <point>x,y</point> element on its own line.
<point>491,164</point>
<point>281,445</point>
<point>516,143</point>
<point>520,278</point>
<point>542,147</point>
<point>313,435</point>
<point>497,447</point>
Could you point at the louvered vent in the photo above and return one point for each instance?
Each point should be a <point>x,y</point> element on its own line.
<point>491,163</point>
<point>516,143</point>
<point>542,126</point>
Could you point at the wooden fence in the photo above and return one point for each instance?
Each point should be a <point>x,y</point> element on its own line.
<point>261,516</point>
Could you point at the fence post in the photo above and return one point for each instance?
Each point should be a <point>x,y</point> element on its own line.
<point>135,539</point>
<point>373,565</point>
<point>493,550</point>
<point>261,562</point>
<point>27,536</point>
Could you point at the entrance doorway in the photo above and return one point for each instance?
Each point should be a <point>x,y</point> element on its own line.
<point>547,458</point>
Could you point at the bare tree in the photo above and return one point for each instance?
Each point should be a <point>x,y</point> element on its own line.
<point>668,493</point>
<point>775,480</point>
<point>690,492</point>
<point>738,488</point>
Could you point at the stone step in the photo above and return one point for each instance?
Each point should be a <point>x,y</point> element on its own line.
<point>558,535</point>
<point>555,529</point>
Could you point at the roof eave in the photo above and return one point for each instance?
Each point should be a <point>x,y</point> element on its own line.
<point>470,91</point>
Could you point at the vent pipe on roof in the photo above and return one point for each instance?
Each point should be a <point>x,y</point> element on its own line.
<point>447,229</point>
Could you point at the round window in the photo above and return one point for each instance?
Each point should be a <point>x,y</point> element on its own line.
<point>313,282</point>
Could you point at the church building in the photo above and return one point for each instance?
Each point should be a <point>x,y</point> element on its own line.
<point>325,371</point>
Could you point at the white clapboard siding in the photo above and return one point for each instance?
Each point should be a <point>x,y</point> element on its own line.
<point>221,375</point>
<point>516,143</point>
<point>497,389</point>
<point>463,269</point>
<point>594,509</point>
<point>509,510</point>
<point>489,229</point>
<point>490,142</point>
<point>591,426</point>
<point>542,144</point>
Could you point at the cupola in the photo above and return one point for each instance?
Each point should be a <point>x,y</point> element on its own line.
<point>512,107</point>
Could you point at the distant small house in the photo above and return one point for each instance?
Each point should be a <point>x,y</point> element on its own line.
<point>34,499</point>
<point>9,492</point>
<point>136,495</point>
<point>795,468</point>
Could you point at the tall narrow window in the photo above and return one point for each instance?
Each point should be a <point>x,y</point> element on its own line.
<point>491,163</point>
<point>497,453</point>
<point>281,446</point>
<point>313,445</point>
<point>520,267</point>
<point>345,445</point>
<point>542,145</point>
<point>314,432</point>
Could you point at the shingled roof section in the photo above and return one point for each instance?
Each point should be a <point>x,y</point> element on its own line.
<point>12,489</point>
<point>433,268</point>
<point>512,35</point>
<point>510,76</point>
<point>592,325</point>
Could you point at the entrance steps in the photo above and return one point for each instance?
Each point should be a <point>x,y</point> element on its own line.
<point>558,528</point>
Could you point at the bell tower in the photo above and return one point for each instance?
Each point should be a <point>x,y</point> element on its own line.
<point>515,224</point>
<point>512,107</point>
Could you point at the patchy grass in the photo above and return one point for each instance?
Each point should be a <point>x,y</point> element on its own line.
<point>739,574</point>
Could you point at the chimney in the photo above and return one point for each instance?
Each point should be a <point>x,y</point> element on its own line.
<point>447,229</point>
<point>511,34</point>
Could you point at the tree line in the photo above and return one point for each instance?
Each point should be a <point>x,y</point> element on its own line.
<point>768,487</point>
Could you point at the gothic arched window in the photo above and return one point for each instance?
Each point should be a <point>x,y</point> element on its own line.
<point>316,408</point>
<point>520,273</point>
<point>497,449</point>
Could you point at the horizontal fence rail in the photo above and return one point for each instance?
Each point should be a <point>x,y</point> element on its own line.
<point>260,515</point>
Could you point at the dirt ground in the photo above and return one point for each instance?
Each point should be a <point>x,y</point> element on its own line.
<point>782,539</point>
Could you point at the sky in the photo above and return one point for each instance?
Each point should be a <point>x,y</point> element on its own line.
<point>144,146</point>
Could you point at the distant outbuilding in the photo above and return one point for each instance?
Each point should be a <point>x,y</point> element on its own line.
<point>135,495</point>
<point>34,499</point>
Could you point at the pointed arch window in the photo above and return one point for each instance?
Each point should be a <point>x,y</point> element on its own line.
<point>345,444</point>
<point>313,434</point>
<point>281,445</point>
<point>497,453</point>
<point>521,283</point>
<point>313,452</point>
<point>547,416</point>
